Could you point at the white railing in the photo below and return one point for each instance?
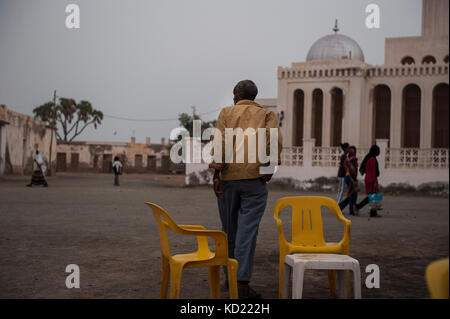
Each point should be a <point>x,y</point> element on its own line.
<point>437,158</point>
<point>326,156</point>
<point>330,156</point>
<point>351,68</point>
<point>292,156</point>
<point>403,158</point>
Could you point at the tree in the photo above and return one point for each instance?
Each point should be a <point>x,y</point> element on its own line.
<point>187,121</point>
<point>73,118</point>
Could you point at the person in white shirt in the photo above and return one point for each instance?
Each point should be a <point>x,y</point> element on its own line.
<point>39,170</point>
<point>117,168</point>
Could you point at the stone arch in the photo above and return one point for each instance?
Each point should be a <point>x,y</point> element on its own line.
<point>440,131</point>
<point>408,60</point>
<point>446,59</point>
<point>411,103</point>
<point>337,116</point>
<point>382,99</point>
<point>317,116</point>
<point>298,118</point>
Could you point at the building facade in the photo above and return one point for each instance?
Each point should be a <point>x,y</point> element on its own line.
<point>335,96</point>
<point>99,156</point>
<point>20,136</point>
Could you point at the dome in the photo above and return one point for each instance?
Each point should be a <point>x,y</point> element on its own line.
<point>335,47</point>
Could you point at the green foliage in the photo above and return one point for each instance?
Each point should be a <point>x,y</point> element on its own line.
<point>186,121</point>
<point>73,117</point>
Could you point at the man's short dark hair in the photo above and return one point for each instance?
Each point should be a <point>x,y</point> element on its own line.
<point>344,146</point>
<point>246,90</point>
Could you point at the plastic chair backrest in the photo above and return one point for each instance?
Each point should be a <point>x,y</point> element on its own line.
<point>307,226</point>
<point>437,276</point>
<point>165,222</point>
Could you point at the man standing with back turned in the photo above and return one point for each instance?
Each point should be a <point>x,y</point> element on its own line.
<point>241,188</point>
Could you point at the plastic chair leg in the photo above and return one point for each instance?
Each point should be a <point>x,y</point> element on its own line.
<point>342,276</point>
<point>165,277</point>
<point>232,268</point>
<point>356,282</point>
<point>214,282</point>
<point>286,280</point>
<point>280,276</point>
<point>332,282</point>
<point>297,283</point>
<point>175,280</point>
<point>349,285</point>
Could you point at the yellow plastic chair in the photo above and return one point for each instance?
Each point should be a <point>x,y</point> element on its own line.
<point>307,232</point>
<point>437,279</point>
<point>172,266</point>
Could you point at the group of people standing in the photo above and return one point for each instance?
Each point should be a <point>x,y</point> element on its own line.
<point>348,178</point>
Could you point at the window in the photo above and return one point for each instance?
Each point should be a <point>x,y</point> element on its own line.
<point>429,59</point>
<point>408,60</point>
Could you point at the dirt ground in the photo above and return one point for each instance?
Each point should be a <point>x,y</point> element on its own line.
<point>112,236</point>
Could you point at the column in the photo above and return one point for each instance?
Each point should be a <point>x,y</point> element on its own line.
<point>307,119</point>
<point>326,123</point>
<point>2,148</point>
<point>383,145</point>
<point>426,117</point>
<point>286,103</point>
<point>308,145</point>
<point>396,117</point>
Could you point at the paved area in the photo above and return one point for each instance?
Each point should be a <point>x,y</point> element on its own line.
<point>111,235</point>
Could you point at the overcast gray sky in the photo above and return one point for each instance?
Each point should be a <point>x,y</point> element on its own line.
<point>153,59</point>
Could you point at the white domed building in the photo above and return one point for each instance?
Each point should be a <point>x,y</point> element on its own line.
<point>335,96</point>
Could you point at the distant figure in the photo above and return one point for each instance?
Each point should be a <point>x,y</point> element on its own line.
<point>351,179</point>
<point>117,168</point>
<point>369,167</point>
<point>39,170</point>
<point>341,173</point>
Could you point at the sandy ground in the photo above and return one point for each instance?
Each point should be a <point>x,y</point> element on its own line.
<point>112,236</point>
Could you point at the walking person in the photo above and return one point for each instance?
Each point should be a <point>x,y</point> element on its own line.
<point>369,168</point>
<point>39,170</point>
<point>351,179</point>
<point>240,188</point>
<point>342,186</point>
<point>117,168</point>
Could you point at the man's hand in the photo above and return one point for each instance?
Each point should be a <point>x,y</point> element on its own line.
<point>216,167</point>
<point>217,184</point>
<point>266,178</point>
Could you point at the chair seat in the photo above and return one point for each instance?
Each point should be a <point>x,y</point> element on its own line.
<point>298,263</point>
<point>193,257</point>
<point>328,248</point>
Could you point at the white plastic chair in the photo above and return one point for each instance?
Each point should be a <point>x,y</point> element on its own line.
<point>296,264</point>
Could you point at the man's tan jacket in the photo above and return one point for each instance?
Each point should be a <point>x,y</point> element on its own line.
<point>246,114</point>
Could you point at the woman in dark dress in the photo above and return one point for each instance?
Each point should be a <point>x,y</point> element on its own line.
<point>351,179</point>
<point>369,168</point>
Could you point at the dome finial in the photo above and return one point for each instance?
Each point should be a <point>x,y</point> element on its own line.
<point>336,29</point>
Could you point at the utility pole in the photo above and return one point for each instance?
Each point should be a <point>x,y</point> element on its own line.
<point>193,112</point>
<point>53,127</point>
